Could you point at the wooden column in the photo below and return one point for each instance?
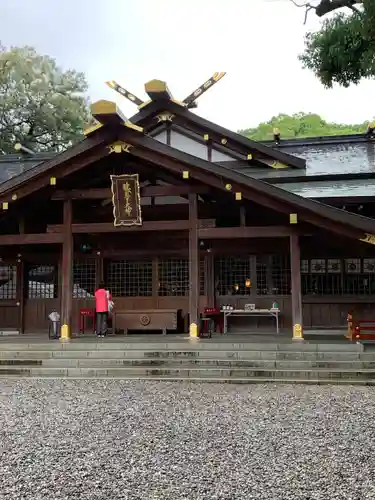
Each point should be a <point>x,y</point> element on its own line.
<point>295,269</point>
<point>20,293</point>
<point>253,275</point>
<point>67,273</point>
<point>99,271</point>
<point>193,266</point>
<point>20,283</point>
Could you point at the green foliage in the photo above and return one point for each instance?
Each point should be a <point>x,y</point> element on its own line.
<point>343,50</point>
<point>300,125</point>
<point>41,106</point>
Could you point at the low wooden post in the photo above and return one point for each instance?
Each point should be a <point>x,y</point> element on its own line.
<point>67,273</point>
<point>295,269</point>
<point>193,266</point>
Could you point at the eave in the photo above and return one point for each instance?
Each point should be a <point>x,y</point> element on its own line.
<point>141,146</point>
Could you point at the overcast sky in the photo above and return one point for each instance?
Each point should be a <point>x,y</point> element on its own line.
<point>184,42</point>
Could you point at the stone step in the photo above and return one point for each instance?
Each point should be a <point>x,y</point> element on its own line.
<point>185,346</point>
<point>202,372</point>
<point>188,355</point>
<point>215,380</point>
<point>90,362</point>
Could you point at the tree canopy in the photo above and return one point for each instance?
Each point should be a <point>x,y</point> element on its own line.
<point>41,106</point>
<point>343,50</point>
<point>300,125</point>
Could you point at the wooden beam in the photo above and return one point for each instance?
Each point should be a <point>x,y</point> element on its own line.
<point>107,113</point>
<point>67,269</point>
<point>104,193</point>
<point>30,239</point>
<point>193,265</point>
<point>156,90</point>
<point>108,227</point>
<point>245,232</point>
<point>295,270</point>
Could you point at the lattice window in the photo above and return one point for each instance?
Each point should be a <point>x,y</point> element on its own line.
<point>318,266</point>
<point>128,278</point>
<point>353,266</point>
<point>334,266</point>
<point>232,275</point>
<point>324,278</point>
<point>369,266</point>
<point>42,282</point>
<point>84,279</point>
<point>280,275</point>
<point>202,267</point>
<point>262,275</point>
<point>8,282</point>
<point>368,277</point>
<point>173,277</point>
<point>304,266</point>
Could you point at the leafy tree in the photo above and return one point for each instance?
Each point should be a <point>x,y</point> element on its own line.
<point>41,106</point>
<point>343,50</point>
<point>300,125</point>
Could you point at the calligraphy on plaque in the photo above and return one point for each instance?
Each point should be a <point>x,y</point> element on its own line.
<point>126,200</point>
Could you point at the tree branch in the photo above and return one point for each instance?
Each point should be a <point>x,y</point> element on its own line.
<point>326,6</point>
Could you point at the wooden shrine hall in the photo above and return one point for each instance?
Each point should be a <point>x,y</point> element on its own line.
<point>170,232</point>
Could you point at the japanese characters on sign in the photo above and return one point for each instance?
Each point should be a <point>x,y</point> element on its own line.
<point>126,200</point>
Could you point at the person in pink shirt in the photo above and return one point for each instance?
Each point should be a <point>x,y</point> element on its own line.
<point>102,299</point>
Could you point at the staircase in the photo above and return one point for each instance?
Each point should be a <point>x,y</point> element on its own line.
<point>207,361</point>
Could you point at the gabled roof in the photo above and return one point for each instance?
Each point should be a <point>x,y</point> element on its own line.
<point>183,115</point>
<point>162,156</point>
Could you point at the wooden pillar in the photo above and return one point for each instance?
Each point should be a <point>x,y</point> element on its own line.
<point>242,215</point>
<point>193,266</point>
<point>20,291</point>
<point>67,273</point>
<point>295,269</point>
<point>99,271</point>
<point>253,275</point>
<point>20,283</point>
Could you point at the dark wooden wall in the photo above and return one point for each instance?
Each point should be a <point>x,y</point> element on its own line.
<point>318,311</point>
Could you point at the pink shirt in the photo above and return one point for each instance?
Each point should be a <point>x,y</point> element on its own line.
<point>101,300</point>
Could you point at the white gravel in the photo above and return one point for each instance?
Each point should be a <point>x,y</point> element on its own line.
<point>72,439</point>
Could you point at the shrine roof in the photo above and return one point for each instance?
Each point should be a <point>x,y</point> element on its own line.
<point>99,143</point>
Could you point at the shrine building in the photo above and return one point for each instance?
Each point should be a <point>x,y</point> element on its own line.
<point>177,214</point>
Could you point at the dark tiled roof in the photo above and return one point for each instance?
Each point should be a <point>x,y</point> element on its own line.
<point>14,164</point>
<point>336,158</point>
<point>327,159</point>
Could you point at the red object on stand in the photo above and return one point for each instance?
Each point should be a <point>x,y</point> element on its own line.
<point>83,314</point>
<point>216,315</point>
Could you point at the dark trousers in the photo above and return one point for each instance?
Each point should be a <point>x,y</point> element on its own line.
<point>370,132</point>
<point>101,323</point>
<point>276,138</point>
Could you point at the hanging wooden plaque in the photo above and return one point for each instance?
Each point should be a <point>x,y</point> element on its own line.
<point>126,200</point>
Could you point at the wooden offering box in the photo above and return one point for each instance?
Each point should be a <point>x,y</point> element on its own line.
<point>151,319</point>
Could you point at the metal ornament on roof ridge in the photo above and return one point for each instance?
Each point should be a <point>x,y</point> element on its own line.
<point>369,238</point>
<point>165,117</point>
<point>119,146</point>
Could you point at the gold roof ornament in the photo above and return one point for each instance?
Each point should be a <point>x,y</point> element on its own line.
<point>157,89</point>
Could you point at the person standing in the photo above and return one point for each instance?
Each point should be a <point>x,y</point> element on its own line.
<point>101,309</point>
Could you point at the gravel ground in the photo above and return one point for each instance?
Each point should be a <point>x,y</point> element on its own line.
<point>71,439</point>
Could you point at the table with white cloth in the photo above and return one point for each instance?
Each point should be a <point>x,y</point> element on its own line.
<point>273,313</point>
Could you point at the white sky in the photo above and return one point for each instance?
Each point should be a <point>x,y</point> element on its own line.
<point>184,42</point>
